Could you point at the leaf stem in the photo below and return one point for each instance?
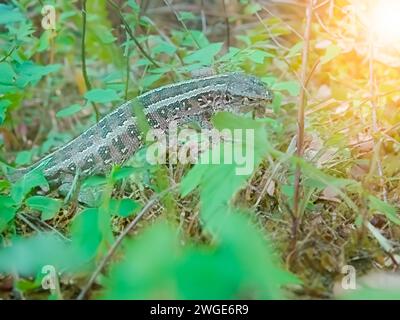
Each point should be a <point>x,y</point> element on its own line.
<point>130,33</point>
<point>301,118</point>
<point>83,58</point>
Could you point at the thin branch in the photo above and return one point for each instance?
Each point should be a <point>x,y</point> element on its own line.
<point>285,23</point>
<point>228,27</point>
<point>300,118</point>
<point>170,6</point>
<point>375,125</point>
<point>127,71</point>
<point>118,241</point>
<point>8,54</point>
<point>83,58</point>
<point>130,33</point>
<point>284,59</point>
<point>203,18</point>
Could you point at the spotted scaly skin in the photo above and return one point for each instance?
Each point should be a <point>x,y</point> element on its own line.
<point>116,137</point>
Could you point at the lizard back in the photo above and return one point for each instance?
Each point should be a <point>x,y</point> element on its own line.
<point>116,137</point>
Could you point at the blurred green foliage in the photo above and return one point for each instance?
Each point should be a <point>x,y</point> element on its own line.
<point>44,102</point>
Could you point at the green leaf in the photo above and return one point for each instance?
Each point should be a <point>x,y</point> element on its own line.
<point>7,211</point>
<point>252,8</point>
<point>69,111</point>
<point>7,74</point>
<point>372,294</point>
<point>94,181</point>
<point>295,50</point>
<point>150,79</point>
<point>292,87</point>
<point>123,172</point>
<point>44,41</point>
<point>187,15</point>
<point>27,256</point>
<point>9,14</point>
<point>4,185</point>
<point>47,206</point>
<point>102,95</point>
<point>258,56</point>
<point>23,158</point>
<point>331,53</point>
<point>104,34</point>
<point>219,182</point>
<point>384,208</point>
<point>175,271</point>
<point>30,73</point>
<point>277,102</point>
<point>205,55</point>
<point>85,231</point>
<point>23,186</point>
<point>123,207</point>
<point>164,47</point>
<point>142,275</point>
<point>4,104</point>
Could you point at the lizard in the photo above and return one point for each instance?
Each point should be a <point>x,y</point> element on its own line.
<point>116,137</point>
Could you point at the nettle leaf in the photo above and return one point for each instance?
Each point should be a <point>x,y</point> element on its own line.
<point>28,256</point>
<point>226,270</point>
<point>252,8</point>
<point>47,206</point>
<point>150,79</point>
<point>123,207</point>
<point>164,47</point>
<point>318,179</point>
<point>258,56</point>
<point>384,208</point>
<point>69,111</point>
<point>233,53</point>
<point>102,95</point>
<point>10,14</point>
<point>30,73</point>
<point>204,55</point>
<point>104,34</point>
<point>7,211</point>
<point>94,181</point>
<point>150,276</point>
<point>187,15</point>
<point>44,41</point>
<point>245,244</point>
<point>123,172</point>
<point>219,182</point>
<point>316,174</point>
<point>295,50</point>
<point>28,182</point>
<point>23,157</point>
<point>292,87</point>
<point>277,102</point>
<point>85,231</point>
<point>7,74</point>
<point>4,104</point>
<point>4,185</point>
<point>331,53</point>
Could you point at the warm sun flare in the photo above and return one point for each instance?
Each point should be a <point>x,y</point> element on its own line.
<point>386,20</point>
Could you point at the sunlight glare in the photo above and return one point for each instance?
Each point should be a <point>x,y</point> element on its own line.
<point>386,21</point>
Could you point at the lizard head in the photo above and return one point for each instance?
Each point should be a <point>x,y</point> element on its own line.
<point>245,93</point>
